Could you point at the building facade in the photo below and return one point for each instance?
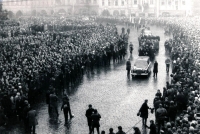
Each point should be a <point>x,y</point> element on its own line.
<point>196,9</point>
<point>127,7</point>
<point>175,7</point>
<point>116,8</point>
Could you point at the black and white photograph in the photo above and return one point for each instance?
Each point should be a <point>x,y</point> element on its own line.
<point>99,66</point>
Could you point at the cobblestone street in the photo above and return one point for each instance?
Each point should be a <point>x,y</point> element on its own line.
<point>116,97</point>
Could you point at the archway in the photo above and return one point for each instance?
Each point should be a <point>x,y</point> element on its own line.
<point>11,14</point>
<point>105,13</point>
<point>19,13</point>
<point>43,13</point>
<point>116,13</point>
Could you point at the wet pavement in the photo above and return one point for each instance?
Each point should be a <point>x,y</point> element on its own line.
<point>116,97</point>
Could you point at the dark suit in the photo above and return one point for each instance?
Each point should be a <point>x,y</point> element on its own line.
<point>95,122</point>
<point>88,114</point>
<point>144,112</point>
<point>152,129</point>
<point>53,102</point>
<point>128,67</point>
<point>155,69</point>
<point>32,121</point>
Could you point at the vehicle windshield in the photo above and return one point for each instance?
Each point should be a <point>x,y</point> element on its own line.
<point>141,64</point>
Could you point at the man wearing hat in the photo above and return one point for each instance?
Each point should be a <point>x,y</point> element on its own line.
<point>88,114</point>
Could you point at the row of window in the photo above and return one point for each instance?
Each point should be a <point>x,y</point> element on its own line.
<point>116,2</point>
<point>86,1</point>
<point>169,2</point>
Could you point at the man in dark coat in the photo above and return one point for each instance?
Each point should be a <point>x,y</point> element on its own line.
<point>65,100</point>
<point>155,69</point>
<point>95,117</point>
<point>172,111</point>
<point>152,127</point>
<point>128,67</point>
<point>88,114</point>
<point>32,121</point>
<point>25,111</point>
<point>53,102</point>
<point>3,118</point>
<point>66,108</point>
<point>144,112</point>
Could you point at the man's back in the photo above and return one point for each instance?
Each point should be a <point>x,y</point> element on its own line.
<point>161,113</point>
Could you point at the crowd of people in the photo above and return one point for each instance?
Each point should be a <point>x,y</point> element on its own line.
<point>177,108</point>
<point>32,62</point>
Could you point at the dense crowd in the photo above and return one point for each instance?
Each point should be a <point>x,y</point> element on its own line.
<point>34,61</point>
<point>177,108</point>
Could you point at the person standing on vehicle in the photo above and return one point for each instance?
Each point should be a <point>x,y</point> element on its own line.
<point>128,67</point>
<point>167,62</point>
<point>155,69</point>
<point>88,114</point>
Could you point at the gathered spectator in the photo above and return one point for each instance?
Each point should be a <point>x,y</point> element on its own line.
<point>137,130</point>
<point>161,116</point>
<point>95,117</point>
<point>32,120</point>
<point>120,131</point>
<point>111,131</point>
<point>152,127</point>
